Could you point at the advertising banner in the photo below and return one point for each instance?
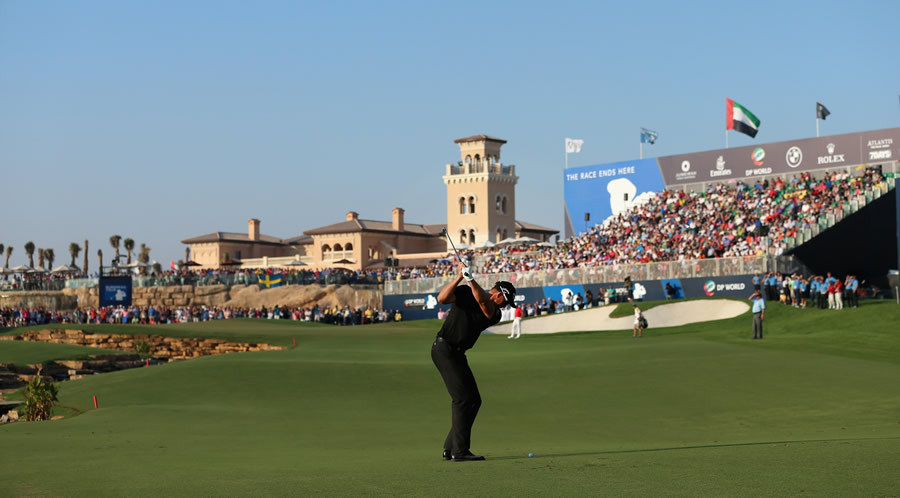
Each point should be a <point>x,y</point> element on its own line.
<point>115,291</point>
<point>722,165</point>
<point>603,190</point>
<point>422,306</point>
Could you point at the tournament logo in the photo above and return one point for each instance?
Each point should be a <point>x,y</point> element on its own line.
<point>685,166</point>
<point>794,156</point>
<point>709,288</point>
<point>758,156</point>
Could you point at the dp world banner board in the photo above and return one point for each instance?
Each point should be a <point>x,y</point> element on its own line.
<point>115,291</point>
<point>594,193</point>
<point>793,156</point>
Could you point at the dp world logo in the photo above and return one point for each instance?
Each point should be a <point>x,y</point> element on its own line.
<point>685,166</point>
<point>794,156</point>
<point>709,288</point>
<point>758,156</point>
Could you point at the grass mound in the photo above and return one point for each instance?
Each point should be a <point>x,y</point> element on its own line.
<point>692,410</point>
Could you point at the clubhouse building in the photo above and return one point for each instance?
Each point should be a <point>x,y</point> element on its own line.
<point>480,212</point>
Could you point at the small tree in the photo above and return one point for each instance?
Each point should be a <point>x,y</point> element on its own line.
<point>40,253</point>
<point>9,251</point>
<point>157,268</point>
<point>129,248</point>
<point>39,398</point>
<point>29,250</point>
<point>100,261</point>
<point>74,249</point>
<point>187,254</point>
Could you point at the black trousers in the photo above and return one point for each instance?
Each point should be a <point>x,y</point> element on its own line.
<point>466,400</point>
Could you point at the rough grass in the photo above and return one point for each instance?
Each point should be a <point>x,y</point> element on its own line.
<point>686,411</point>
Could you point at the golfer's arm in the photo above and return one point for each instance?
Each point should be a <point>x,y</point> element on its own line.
<point>484,300</point>
<point>446,295</point>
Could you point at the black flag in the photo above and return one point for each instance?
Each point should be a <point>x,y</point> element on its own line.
<point>822,112</point>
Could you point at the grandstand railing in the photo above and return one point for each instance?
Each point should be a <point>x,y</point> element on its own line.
<point>613,273</point>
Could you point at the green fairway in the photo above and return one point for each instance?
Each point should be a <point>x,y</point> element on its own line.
<point>814,409</point>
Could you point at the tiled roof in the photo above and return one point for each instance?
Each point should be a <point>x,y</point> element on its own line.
<point>357,225</point>
<point>479,138</point>
<point>232,237</point>
<point>531,227</point>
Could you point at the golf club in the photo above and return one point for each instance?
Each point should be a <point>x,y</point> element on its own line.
<point>447,234</point>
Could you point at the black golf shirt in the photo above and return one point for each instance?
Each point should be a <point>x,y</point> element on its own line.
<point>466,321</point>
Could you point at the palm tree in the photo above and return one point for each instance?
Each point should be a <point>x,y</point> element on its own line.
<point>100,261</point>
<point>29,250</point>
<point>187,254</point>
<point>114,242</point>
<point>74,249</point>
<point>50,256</point>
<point>144,257</point>
<point>2,248</point>
<point>9,251</point>
<point>129,247</point>
<point>157,268</point>
<point>40,253</point>
<point>85,267</point>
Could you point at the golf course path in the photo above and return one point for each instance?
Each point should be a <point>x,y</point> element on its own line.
<point>664,315</point>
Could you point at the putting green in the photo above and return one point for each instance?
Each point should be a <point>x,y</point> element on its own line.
<point>693,410</point>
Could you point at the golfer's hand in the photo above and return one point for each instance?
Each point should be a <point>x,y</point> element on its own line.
<point>465,272</point>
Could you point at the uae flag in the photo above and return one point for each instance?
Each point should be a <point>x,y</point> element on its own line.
<point>739,118</point>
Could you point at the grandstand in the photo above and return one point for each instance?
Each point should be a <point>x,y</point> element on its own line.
<point>707,222</point>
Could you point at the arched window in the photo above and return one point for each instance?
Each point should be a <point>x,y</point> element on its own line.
<point>471,205</point>
<point>498,204</point>
<point>371,252</point>
<point>477,159</point>
<point>326,251</point>
<point>504,233</point>
<point>472,236</point>
<point>348,246</point>
<point>503,206</point>
<point>468,159</point>
<point>337,247</point>
<point>462,205</point>
<point>462,236</point>
<point>498,235</point>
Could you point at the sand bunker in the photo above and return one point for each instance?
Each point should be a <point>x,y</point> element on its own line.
<point>665,315</point>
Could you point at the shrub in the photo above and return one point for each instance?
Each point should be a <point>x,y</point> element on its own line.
<point>40,397</point>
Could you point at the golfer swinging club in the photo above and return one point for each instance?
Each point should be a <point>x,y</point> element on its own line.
<point>473,311</point>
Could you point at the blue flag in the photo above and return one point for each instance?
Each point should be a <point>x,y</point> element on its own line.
<point>648,136</point>
<point>267,281</point>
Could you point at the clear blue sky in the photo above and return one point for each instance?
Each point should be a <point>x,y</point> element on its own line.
<point>164,120</point>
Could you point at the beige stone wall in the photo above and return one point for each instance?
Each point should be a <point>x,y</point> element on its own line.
<point>211,295</point>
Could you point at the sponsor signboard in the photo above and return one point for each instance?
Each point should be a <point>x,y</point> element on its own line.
<point>115,291</point>
<point>722,165</point>
<point>734,287</point>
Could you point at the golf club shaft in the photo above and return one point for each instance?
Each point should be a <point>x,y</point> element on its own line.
<point>447,234</point>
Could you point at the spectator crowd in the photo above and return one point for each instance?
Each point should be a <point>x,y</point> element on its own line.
<point>153,315</point>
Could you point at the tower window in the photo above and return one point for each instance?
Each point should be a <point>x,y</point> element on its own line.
<point>462,236</point>
<point>462,205</point>
<point>472,237</point>
<point>471,205</point>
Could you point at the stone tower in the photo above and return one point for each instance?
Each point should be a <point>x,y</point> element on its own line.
<point>481,193</point>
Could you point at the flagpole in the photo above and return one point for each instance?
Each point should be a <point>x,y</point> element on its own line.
<point>817,127</point>
<point>642,150</point>
<point>726,138</point>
